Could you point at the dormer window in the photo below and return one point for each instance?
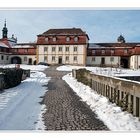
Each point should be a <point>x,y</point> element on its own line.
<point>76,39</point>
<point>54,39</point>
<point>67,39</point>
<point>93,51</point>
<point>112,51</point>
<point>125,51</point>
<point>103,51</point>
<point>46,39</point>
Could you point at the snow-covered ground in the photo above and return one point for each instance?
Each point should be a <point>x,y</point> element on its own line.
<point>23,66</point>
<point>19,106</point>
<point>109,113</point>
<point>118,72</point>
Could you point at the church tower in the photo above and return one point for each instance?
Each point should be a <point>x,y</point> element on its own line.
<point>4,31</point>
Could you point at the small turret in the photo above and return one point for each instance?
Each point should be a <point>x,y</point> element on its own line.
<point>4,31</point>
<point>121,39</point>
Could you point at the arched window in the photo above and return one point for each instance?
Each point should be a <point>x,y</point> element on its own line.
<point>67,39</point>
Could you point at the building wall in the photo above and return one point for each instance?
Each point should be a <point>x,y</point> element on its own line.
<point>96,60</point>
<point>135,62</point>
<point>4,58</point>
<point>23,59</point>
<point>80,54</point>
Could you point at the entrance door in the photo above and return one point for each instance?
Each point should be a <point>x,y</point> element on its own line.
<point>30,61</point>
<point>60,60</point>
<point>125,62</point>
<point>102,61</point>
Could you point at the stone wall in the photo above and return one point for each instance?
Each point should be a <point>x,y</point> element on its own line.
<point>124,93</point>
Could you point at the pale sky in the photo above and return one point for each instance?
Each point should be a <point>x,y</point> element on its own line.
<point>100,25</point>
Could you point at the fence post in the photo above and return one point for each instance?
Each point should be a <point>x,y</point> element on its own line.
<point>134,105</point>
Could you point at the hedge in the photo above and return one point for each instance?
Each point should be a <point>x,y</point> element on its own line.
<point>12,77</point>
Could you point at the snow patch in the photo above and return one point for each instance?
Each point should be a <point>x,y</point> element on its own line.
<point>19,106</point>
<point>23,66</point>
<point>117,72</point>
<point>40,122</point>
<point>109,113</point>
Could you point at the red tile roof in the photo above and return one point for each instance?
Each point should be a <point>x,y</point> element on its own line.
<point>5,41</point>
<point>64,31</point>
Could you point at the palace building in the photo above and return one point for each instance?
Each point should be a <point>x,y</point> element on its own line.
<point>62,46</point>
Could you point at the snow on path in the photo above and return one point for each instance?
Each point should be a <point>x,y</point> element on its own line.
<point>109,113</point>
<point>19,106</point>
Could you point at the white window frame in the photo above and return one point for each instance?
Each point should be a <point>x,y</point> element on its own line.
<point>103,51</point>
<point>45,58</point>
<point>75,39</point>
<point>67,49</point>
<point>53,49</point>
<point>60,49</point>
<point>53,58</point>
<point>111,59</point>
<point>75,49</point>
<point>67,57</point>
<point>67,39</point>
<point>45,49</point>
<point>54,39</point>
<point>74,58</point>
<point>25,59</point>
<point>46,39</point>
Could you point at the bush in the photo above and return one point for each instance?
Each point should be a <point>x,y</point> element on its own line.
<point>12,77</point>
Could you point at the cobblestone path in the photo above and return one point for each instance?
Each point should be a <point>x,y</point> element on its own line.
<point>65,110</point>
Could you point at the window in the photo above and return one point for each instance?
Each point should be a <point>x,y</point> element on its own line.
<point>60,49</point>
<point>2,49</point>
<point>7,50</point>
<point>76,39</point>
<point>75,49</point>
<point>75,58</point>
<point>67,49</point>
<point>54,39</point>
<point>7,57</point>
<point>2,57</point>
<point>111,59</point>
<point>45,49</point>
<point>103,51</point>
<point>53,58</point>
<point>67,58</point>
<point>93,59</point>
<point>53,49</point>
<point>67,39</point>
<point>93,51</point>
<point>45,58</point>
<point>112,51</point>
<point>25,50</point>
<point>25,58</point>
<point>46,39</point>
<point>15,50</point>
<point>125,51</point>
